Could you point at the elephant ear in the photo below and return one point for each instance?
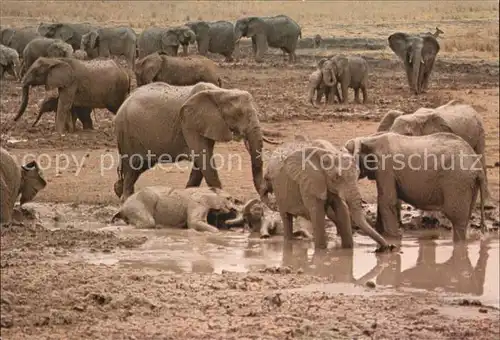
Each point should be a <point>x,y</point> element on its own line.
<point>430,47</point>
<point>59,75</point>
<point>388,120</point>
<point>305,168</point>
<point>435,123</point>
<point>255,26</point>
<point>94,39</point>
<point>202,113</point>
<point>398,42</point>
<point>7,36</point>
<point>150,66</point>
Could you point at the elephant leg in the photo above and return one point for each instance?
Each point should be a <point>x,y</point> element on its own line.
<point>203,151</point>
<point>196,219</point>
<point>387,205</point>
<point>83,114</point>
<point>130,175</point>
<point>287,220</point>
<point>409,76</point>
<point>195,177</point>
<point>316,208</point>
<point>254,46</point>
<point>345,87</point>
<point>185,49</point>
<point>319,95</point>
<point>330,91</point>
<point>64,106</point>
<point>335,89</point>
<point>342,222</point>
<point>365,94</point>
<point>261,42</point>
<point>356,95</point>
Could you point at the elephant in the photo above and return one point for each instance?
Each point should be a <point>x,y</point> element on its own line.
<point>26,180</point>
<point>49,104</point>
<point>110,41</point>
<point>278,31</point>
<point>166,40</point>
<point>67,32</point>
<point>9,61</point>
<point>349,72</point>
<point>266,222</point>
<point>178,208</point>
<point>317,41</point>
<point>215,37</point>
<point>44,47</point>
<point>312,182</point>
<point>18,38</point>
<point>460,119</point>
<point>90,84</point>
<point>317,84</point>
<point>162,123</point>
<point>418,54</point>
<point>437,172</point>
<point>80,55</point>
<point>176,70</point>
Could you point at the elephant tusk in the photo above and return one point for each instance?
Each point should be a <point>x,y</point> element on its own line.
<point>270,141</point>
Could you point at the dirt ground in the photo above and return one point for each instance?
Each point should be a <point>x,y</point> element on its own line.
<point>44,296</point>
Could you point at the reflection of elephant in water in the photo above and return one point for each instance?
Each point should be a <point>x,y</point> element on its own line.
<point>110,41</point>
<point>460,119</point>
<point>18,38</point>
<point>311,181</point>
<point>418,54</point>
<point>215,37</point>
<point>15,180</point>
<point>178,208</point>
<point>92,84</point>
<point>67,32</point>
<point>279,31</point>
<point>454,275</point>
<point>434,172</point>
<point>184,122</point>
<point>165,40</point>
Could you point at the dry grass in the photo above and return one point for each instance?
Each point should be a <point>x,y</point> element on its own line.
<point>468,25</point>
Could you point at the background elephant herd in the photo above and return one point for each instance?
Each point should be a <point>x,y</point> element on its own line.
<point>180,107</point>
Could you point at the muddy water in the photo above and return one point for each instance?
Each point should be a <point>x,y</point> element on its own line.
<point>422,264</point>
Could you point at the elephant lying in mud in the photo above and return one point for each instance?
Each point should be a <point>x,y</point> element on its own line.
<point>26,180</point>
<point>440,172</point>
<point>176,70</point>
<point>93,84</point>
<point>179,208</point>
<point>265,222</point>
<point>460,119</point>
<point>81,113</point>
<point>162,123</point>
<point>311,179</point>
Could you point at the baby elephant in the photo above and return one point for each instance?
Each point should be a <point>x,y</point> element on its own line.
<point>266,222</point>
<point>178,208</point>
<point>318,85</point>
<point>176,70</point>
<point>349,72</point>
<point>49,104</point>
<point>15,180</point>
<point>9,61</point>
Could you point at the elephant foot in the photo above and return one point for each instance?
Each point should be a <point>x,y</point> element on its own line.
<point>301,234</point>
<point>385,249</point>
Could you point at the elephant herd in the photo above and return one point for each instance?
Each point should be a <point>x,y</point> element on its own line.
<point>180,110</point>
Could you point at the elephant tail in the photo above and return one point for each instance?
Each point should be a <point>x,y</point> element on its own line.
<point>481,181</point>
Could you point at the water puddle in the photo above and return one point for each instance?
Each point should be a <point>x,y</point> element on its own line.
<point>423,264</point>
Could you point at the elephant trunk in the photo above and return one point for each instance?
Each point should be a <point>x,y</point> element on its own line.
<point>417,63</point>
<point>24,102</point>
<point>254,142</point>
<point>329,78</point>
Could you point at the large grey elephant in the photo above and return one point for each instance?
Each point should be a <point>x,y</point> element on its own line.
<point>215,37</point>
<point>165,40</point>
<point>111,41</point>
<point>70,33</point>
<point>157,206</point>
<point>90,84</point>
<point>312,182</point>
<point>278,31</point>
<point>349,72</point>
<point>437,172</point>
<point>9,61</point>
<point>460,119</point>
<point>44,47</point>
<point>18,38</point>
<point>418,54</point>
<point>161,123</point>
<point>26,180</point>
<point>176,70</point>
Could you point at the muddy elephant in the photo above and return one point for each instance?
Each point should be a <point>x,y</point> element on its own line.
<point>317,41</point>
<point>155,206</point>
<point>437,172</point>
<point>176,70</point>
<point>278,31</point>
<point>110,41</point>
<point>165,40</point>
<point>183,123</point>
<point>91,84</point>
<point>318,86</point>
<point>418,54</point>
<point>9,62</point>
<point>348,72</point>
<point>44,47</point>
<point>460,119</point>
<point>312,182</point>
<point>215,37</point>
<point>26,180</point>
<point>18,38</point>
<point>49,104</point>
<point>70,33</point>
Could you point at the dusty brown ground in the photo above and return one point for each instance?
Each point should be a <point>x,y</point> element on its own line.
<point>42,299</point>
